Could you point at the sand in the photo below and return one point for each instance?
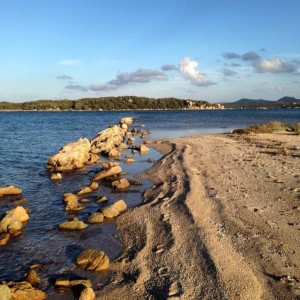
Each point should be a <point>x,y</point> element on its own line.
<point>220,222</point>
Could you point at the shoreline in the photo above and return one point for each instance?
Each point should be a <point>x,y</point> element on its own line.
<point>220,222</point>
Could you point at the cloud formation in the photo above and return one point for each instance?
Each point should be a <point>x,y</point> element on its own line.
<point>168,67</point>
<point>139,76</point>
<point>188,69</point>
<point>230,55</point>
<point>250,56</point>
<point>228,72</point>
<point>64,77</point>
<point>76,87</point>
<point>273,66</point>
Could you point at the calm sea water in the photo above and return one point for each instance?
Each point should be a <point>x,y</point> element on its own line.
<point>29,138</point>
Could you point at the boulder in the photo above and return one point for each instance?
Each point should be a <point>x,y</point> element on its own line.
<point>73,205</point>
<point>96,218</point>
<point>4,292</point>
<point>87,294</point>
<point>56,176</point>
<point>121,184</point>
<point>32,277</point>
<point>110,212</point>
<point>106,173</point>
<point>127,120</point>
<point>129,160</point>
<point>71,156</point>
<point>24,291</point>
<point>69,197</point>
<point>114,153</point>
<point>93,260</point>
<point>20,213</point>
<point>10,190</point>
<point>143,148</point>
<point>120,205</point>
<point>10,224</point>
<point>74,224</point>
<point>4,238</point>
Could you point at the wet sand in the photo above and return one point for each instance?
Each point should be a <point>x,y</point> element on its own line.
<point>221,222</point>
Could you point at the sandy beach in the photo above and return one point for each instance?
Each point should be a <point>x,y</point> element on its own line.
<point>220,222</point>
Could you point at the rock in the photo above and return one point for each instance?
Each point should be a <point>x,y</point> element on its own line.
<point>108,165</point>
<point>127,120</point>
<point>4,238</point>
<point>121,184</point>
<point>134,151</point>
<point>115,209</point>
<point>129,160</point>
<point>56,176</point>
<point>10,190</point>
<point>19,201</point>
<point>85,190</point>
<point>110,212</point>
<point>106,173</point>
<point>68,283</point>
<point>87,294</point>
<point>135,182</point>
<point>4,292</point>
<point>148,142</point>
<point>85,200</point>
<point>94,158</point>
<point>69,197</point>
<point>32,277</point>
<point>143,148</point>
<point>96,218</point>
<point>19,212</point>
<point>71,156</point>
<point>74,205</point>
<point>124,126</point>
<point>94,186</point>
<point>24,291</point>
<point>74,224</point>
<point>114,153</point>
<point>120,205</point>
<point>102,199</point>
<point>130,140</point>
<point>93,260</point>
<point>10,224</point>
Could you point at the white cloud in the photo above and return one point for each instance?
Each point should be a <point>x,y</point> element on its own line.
<point>273,66</point>
<point>64,77</point>
<point>188,69</point>
<point>69,62</point>
<point>279,88</point>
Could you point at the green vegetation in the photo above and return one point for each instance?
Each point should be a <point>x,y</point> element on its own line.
<point>270,127</point>
<point>106,103</point>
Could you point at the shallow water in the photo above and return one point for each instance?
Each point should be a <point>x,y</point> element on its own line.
<point>29,138</point>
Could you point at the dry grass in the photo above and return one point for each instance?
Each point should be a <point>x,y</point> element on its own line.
<point>270,127</point>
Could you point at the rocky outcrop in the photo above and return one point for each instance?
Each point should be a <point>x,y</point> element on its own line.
<point>71,156</point>
<point>25,291</point>
<point>74,224</point>
<point>93,260</point>
<point>10,190</point>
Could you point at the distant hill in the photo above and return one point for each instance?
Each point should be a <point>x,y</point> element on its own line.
<point>245,102</point>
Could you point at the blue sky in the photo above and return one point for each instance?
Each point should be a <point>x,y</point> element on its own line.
<point>213,50</point>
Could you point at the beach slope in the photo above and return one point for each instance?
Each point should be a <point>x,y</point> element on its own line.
<point>220,222</point>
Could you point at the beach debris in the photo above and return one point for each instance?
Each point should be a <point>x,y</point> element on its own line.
<point>121,184</point>
<point>56,176</point>
<point>115,209</point>
<point>73,224</point>
<point>10,190</point>
<point>93,260</point>
<point>71,156</point>
<point>96,218</point>
<point>87,294</point>
<point>25,291</point>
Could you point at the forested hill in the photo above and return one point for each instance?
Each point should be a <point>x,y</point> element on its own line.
<point>109,103</point>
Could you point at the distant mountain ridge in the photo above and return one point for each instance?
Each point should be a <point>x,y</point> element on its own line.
<point>260,102</point>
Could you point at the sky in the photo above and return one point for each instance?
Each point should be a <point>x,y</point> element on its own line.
<point>217,50</point>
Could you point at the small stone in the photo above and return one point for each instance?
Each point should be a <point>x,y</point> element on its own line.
<point>56,176</point>
<point>70,196</point>
<point>10,190</point>
<point>88,293</point>
<point>120,205</point>
<point>94,186</point>
<point>114,153</point>
<point>93,260</point>
<point>84,200</point>
<point>174,289</point>
<point>96,218</point>
<point>32,277</point>
<point>74,224</point>
<point>68,283</point>
<point>129,160</point>
<point>84,190</point>
<point>121,184</point>
<point>4,238</point>
<point>143,149</point>
<point>102,199</point>
<point>110,212</point>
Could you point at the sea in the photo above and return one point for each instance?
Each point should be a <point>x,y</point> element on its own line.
<point>28,138</point>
